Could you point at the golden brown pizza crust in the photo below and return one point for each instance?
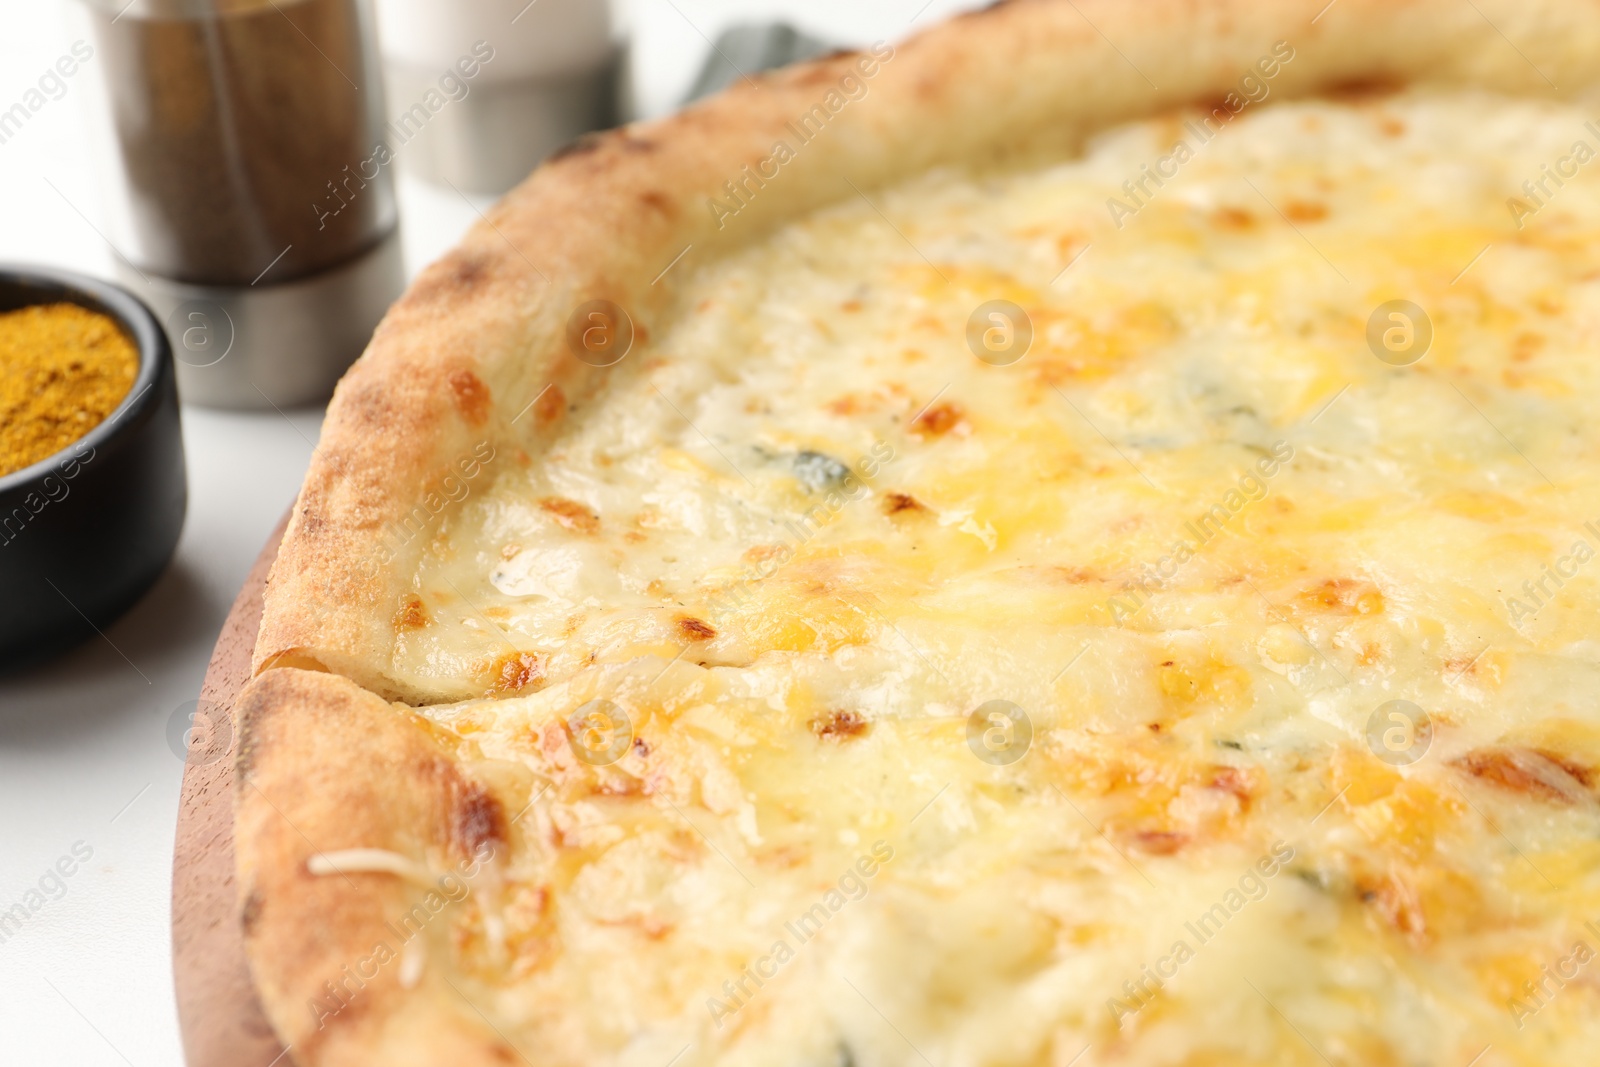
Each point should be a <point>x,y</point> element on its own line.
<point>480,336</point>
<point>325,766</point>
<point>481,333</point>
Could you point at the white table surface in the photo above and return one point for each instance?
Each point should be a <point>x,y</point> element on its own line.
<point>83,749</point>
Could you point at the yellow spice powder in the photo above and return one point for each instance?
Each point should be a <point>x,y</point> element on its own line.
<point>63,369</point>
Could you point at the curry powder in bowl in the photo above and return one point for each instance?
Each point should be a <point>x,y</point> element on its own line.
<point>63,370</point>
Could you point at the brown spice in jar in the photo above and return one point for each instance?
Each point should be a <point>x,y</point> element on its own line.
<point>235,124</point>
<point>63,369</point>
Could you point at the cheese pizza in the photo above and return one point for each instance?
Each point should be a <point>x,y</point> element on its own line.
<point>1068,539</point>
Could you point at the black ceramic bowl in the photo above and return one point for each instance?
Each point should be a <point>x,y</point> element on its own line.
<point>84,533</point>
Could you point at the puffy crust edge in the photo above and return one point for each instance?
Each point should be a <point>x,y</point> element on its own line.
<point>323,765</point>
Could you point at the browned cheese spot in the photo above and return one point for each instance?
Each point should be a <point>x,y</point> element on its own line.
<point>1397,903</point>
<point>693,629</point>
<point>839,726</point>
<point>1345,595</point>
<point>571,514</point>
<point>1305,211</point>
<point>550,406</point>
<point>411,615</point>
<point>1531,772</point>
<point>516,671</point>
<point>476,819</point>
<point>895,503</point>
<point>1232,218</point>
<point>1159,842</point>
<point>1234,781</point>
<point>938,420</point>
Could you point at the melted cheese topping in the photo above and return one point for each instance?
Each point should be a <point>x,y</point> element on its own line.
<point>1194,542</point>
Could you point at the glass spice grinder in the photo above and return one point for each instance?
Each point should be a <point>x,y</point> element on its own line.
<point>248,199</point>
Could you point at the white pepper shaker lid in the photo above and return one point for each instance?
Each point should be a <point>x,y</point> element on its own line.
<point>481,90</point>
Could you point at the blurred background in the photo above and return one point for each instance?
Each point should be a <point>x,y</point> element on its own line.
<point>91,742</point>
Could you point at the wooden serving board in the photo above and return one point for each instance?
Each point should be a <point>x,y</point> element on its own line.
<point>221,1018</point>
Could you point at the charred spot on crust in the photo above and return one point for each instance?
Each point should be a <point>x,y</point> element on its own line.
<point>412,614</point>
<point>311,520</point>
<point>476,819</point>
<point>938,420</point>
<point>839,726</point>
<point>1359,90</point>
<point>659,203</point>
<point>471,396</point>
<point>584,145</point>
<point>516,671</point>
<point>457,274</point>
<point>571,514</point>
<point>819,70</point>
<point>465,270</point>
<point>250,912</point>
<point>369,400</point>
<point>694,629</point>
<point>895,503</point>
<point>590,143</point>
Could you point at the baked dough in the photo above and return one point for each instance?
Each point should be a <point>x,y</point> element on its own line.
<point>1205,679</point>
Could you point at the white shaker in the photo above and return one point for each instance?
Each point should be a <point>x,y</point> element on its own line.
<point>481,90</point>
